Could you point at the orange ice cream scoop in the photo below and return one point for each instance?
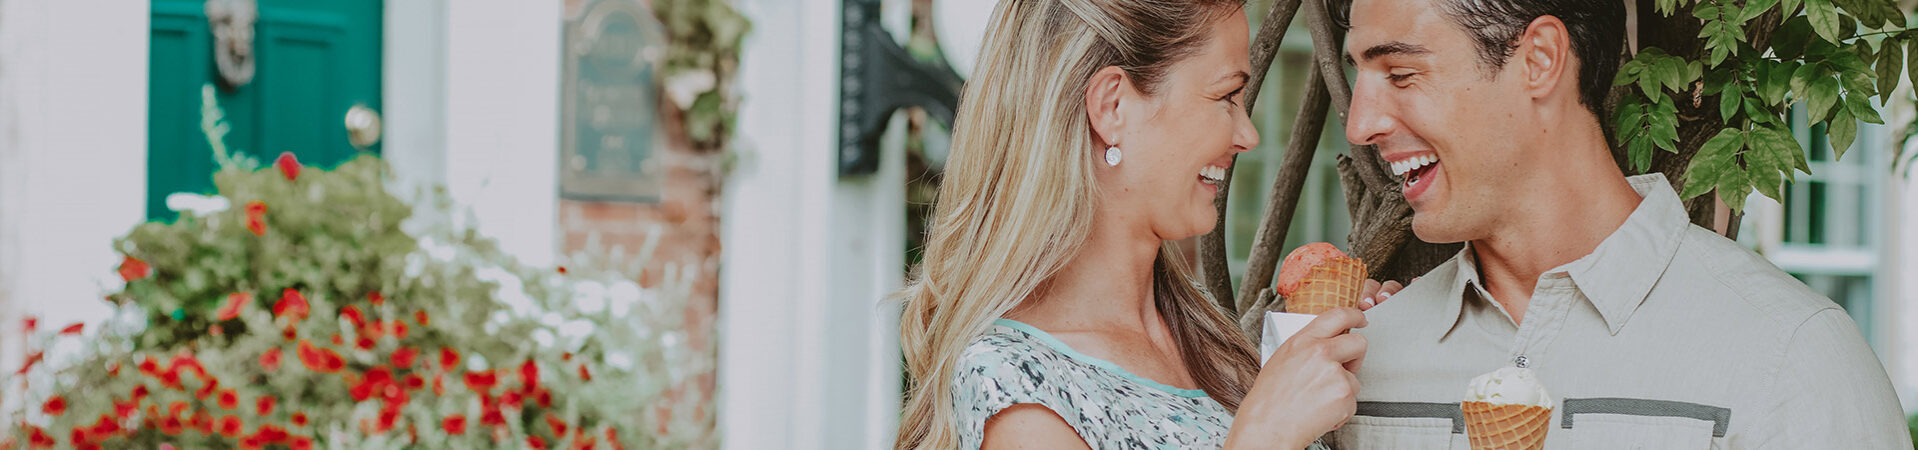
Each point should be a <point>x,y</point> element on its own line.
<point>1318,277</point>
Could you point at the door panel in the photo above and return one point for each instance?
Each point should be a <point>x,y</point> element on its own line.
<point>313,61</point>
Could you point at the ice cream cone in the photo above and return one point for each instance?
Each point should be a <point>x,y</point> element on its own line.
<point>1335,282</point>
<point>1497,426</point>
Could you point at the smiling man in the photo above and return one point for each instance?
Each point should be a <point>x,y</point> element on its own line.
<point>1653,333</point>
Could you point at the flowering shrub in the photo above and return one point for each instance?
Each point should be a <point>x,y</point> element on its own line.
<point>321,312</point>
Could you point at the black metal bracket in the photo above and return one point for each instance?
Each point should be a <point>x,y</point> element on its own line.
<point>876,78</point>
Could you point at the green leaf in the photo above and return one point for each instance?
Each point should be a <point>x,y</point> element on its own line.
<point>1766,166</point>
<point>1628,73</point>
<point>1733,189</point>
<point>1820,96</point>
<point>1891,64</point>
<point>1755,8</point>
<point>1789,39</point>
<point>1860,106</point>
<point>1824,19</point>
<point>1911,61</point>
<point>1775,81</point>
<point>1843,129</point>
<point>1779,139</point>
<point>1714,161</point>
<point>1728,103</point>
<point>1664,125</point>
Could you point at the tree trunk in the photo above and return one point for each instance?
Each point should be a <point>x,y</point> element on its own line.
<point>1214,270</point>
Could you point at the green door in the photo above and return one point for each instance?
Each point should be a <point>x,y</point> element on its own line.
<point>312,61</point>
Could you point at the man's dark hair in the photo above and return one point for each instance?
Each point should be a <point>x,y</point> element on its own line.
<point>1596,28</point>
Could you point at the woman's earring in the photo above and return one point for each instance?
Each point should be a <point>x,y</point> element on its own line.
<point>1113,155</point>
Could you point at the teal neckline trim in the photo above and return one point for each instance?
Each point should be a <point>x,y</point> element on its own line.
<point>1061,347</point>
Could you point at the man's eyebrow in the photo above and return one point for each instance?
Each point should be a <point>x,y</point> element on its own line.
<point>1387,49</point>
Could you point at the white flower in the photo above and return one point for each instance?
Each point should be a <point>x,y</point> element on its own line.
<point>196,204</point>
<point>544,338</point>
<point>685,87</point>
<point>624,294</point>
<point>619,361</point>
<point>590,296</point>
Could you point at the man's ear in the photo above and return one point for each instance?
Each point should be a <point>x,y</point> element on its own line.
<point>1103,94</point>
<point>1544,53</point>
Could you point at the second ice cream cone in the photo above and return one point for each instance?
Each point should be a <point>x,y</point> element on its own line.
<point>1497,426</point>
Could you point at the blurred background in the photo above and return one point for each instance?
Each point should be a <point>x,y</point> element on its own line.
<point>778,156</point>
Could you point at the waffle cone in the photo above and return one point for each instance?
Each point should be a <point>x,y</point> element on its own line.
<point>1495,426</point>
<point>1335,283</point>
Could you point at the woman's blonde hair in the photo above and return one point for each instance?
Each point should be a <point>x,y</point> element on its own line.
<point>1019,192</point>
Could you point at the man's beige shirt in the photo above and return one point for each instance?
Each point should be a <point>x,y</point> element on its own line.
<point>1667,336</point>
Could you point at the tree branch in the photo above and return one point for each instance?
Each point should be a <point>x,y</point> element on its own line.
<point>1287,186</point>
<point>1214,269</point>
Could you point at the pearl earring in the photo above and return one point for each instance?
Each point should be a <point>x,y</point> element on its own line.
<point>1113,155</point>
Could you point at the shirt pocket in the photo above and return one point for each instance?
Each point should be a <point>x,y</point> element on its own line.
<point>1622,431</point>
<point>1630,423</point>
<point>1410,433</point>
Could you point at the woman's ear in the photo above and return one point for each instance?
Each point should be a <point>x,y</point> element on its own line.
<point>1102,104</point>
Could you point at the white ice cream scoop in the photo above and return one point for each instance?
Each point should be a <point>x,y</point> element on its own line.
<point>1509,386</point>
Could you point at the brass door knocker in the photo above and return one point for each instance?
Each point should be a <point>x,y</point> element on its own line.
<point>232,22</point>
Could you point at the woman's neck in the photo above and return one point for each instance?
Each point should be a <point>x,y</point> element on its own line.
<point>1107,285</point>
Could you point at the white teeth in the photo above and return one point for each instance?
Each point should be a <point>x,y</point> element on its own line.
<point>1213,174</point>
<point>1414,163</point>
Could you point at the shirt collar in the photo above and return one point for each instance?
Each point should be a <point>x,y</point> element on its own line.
<point>1619,273</point>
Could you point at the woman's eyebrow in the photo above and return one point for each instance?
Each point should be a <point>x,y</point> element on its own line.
<point>1240,75</point>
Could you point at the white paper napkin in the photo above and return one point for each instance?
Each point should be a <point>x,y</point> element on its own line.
<point>1280,326</point>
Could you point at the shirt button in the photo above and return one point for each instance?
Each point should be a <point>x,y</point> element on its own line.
<point>1521,361</point>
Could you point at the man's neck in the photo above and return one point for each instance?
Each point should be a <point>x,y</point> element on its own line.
<point>1561,219</point>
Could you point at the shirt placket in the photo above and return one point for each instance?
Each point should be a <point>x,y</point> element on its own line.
<point>1544,318</point>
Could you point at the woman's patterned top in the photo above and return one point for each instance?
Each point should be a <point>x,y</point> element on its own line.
<point>1109,407</point>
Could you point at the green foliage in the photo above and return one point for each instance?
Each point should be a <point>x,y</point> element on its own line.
<point>1829,57</point>
<point>702,55</point>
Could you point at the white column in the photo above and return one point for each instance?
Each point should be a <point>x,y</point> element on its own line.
<point>73,122</point>
<point>502,120</point>
<point>808,354</point>
<point>414,86</point>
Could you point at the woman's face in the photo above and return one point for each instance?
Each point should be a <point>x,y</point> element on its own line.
<point>1179,140</point>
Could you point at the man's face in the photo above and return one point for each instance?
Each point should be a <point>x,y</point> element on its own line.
<point>1438,116</point>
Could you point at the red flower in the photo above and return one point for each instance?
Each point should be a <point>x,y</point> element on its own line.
<point>288,165</point>
<point>404,356</point>
<point>31,360</point>
<point>337,340</point>
<point>106,425</point>
<point>175,408</point>
<point>364,343</point>
<point>352,314</point>
<point>187,361</point>
<point>234,302</point>
<point>420,316</point>
<point>270,359</point>
<point>150,367</point>
<point>131,269</point>
<point>264,405</point>
<point>583,374</point>
<point>270,434</point>
<point>510,400</point>
<point>139,392</point>
<point>34,323</point>
<point>481,381</point>
<point>125,409</point>
<point>565,356</point>
<point>171,426</point>
<point>79,436</point>
<point>414,382</point>
<point>492,418</point>
<point>375,298</point>
<point>562,270</point>
<point>448,358</point>
<point>229,399</point>
<point>256,217</point>
<point>528,376</point>
<point>55,406</point>
<point>536,443</point>
<point>39,438</point>
<point>210,389</point>
<point>299,419</point>
<point>230,426</point>
<point>399,329</point>
<point>559,426</point>
<point>74,329</point>
<point>544,398</point>
<point>454,424</point>
<point>302,443</point>
<point>320,359</point>
<point>291,303</point>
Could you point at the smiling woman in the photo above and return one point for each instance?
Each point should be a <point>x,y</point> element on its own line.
<point>1050,309</point>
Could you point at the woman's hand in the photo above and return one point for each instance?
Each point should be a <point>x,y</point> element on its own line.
<point>1307,389</point>
<point>1376,293</point>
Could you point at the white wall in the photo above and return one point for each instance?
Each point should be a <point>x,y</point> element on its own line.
<point>73,119</point>
<point>414,87</point>
<point>501,116</point>
<point>808,355</point>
